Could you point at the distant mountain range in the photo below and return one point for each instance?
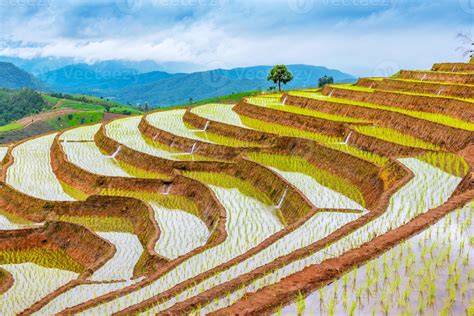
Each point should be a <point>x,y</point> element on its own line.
<point>13,77</point>
<point>126,82</point>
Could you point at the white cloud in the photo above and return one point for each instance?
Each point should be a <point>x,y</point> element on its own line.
<point>242,34</point>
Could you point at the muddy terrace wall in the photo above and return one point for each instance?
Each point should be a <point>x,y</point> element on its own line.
<point>454,67</point>
<point>243,134</point>
<point>460,109</point>
<point>185,144</point>
<point>437,76</point>
<point>372,180</point>
<point>6,281</point>
<point>343,165</point>
<point>467,183</point>
<point>382,147</point>
<point>295,205</point>
<point>210,210</point>
<point>129,156</point>
<point>459,91</point>
<point>220,291</point>
<point>79,243</point>
<point>268,299</point>
<point>135,211</point>
<point>308,123</point>
<point>451,138</point>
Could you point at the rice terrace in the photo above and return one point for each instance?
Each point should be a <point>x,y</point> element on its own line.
<point>349,199</point>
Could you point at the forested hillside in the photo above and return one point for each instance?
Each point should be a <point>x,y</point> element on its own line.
<point>13,77</point>
<point>15,104</point>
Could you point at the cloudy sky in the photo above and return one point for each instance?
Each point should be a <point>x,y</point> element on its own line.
<point>362,37</point>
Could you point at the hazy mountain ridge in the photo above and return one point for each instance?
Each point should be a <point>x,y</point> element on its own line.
<point>13,77</point>
<point>122,82</point>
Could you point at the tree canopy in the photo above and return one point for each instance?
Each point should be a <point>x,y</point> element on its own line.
<point>325,80</point>
<point>16,104</point>
<point>280,74</point>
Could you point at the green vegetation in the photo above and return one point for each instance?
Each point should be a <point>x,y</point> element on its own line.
<point>16,104</point>
<point>231,98</point>
<point>229,182</point>
<point>284,130</point>
<point>448,162</point>
<point>88,103</point>
<point>300,165</point>
<point>170,201</point>
<point>10,127</point>
<point>325,80</point>
<point>100,223</point>
<point>280,74</point>
<point>395,137</point>
<point>432,117</point>
<point>275,104</point>
<point>75,119</point>
<point>43,257</point>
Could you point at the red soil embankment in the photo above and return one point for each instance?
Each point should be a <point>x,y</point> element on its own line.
<point>235,283</point>
<point>6,281</point>
<point>442,89</point>
<point>382,147</point>
<point>317,154</point>
<point>454,67</point>
<point>44,116</point>
<point>308,123</point>
<point>244,134</point>
<point>437,76</point>
<point>460,109</point>
<point>79,243</point>
<point>266,300</point>
<point>186,144</point>
<point>371,179</point>
<point>220,291</point>
<point>444,136</point>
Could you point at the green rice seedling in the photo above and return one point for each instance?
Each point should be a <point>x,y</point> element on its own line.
<point>396,137</point>
<point>275,104</point>
<point>300,303</point>
<point>352,308</point>
<point>284,130</point>
<point>297,164</point>
<point>31,172</point>
<point>427,116</point>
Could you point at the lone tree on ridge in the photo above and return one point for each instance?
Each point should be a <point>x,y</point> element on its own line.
<point>325,80</point>
<point>280,74</point>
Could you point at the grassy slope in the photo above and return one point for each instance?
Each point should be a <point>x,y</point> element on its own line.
<point>75,119</point>
<point>231,98</point>
<point>10,127</point>
<point>96,104</point>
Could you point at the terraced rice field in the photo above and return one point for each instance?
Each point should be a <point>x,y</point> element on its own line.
<point>347,200</point>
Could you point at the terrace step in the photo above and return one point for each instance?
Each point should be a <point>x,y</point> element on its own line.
<point>435,88</point>
<point>227,130</point>
<point>437,76</point>
<point>304,122</point>
<point>457,108</point>
<point>454,67</point>
<point>442,135</point>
